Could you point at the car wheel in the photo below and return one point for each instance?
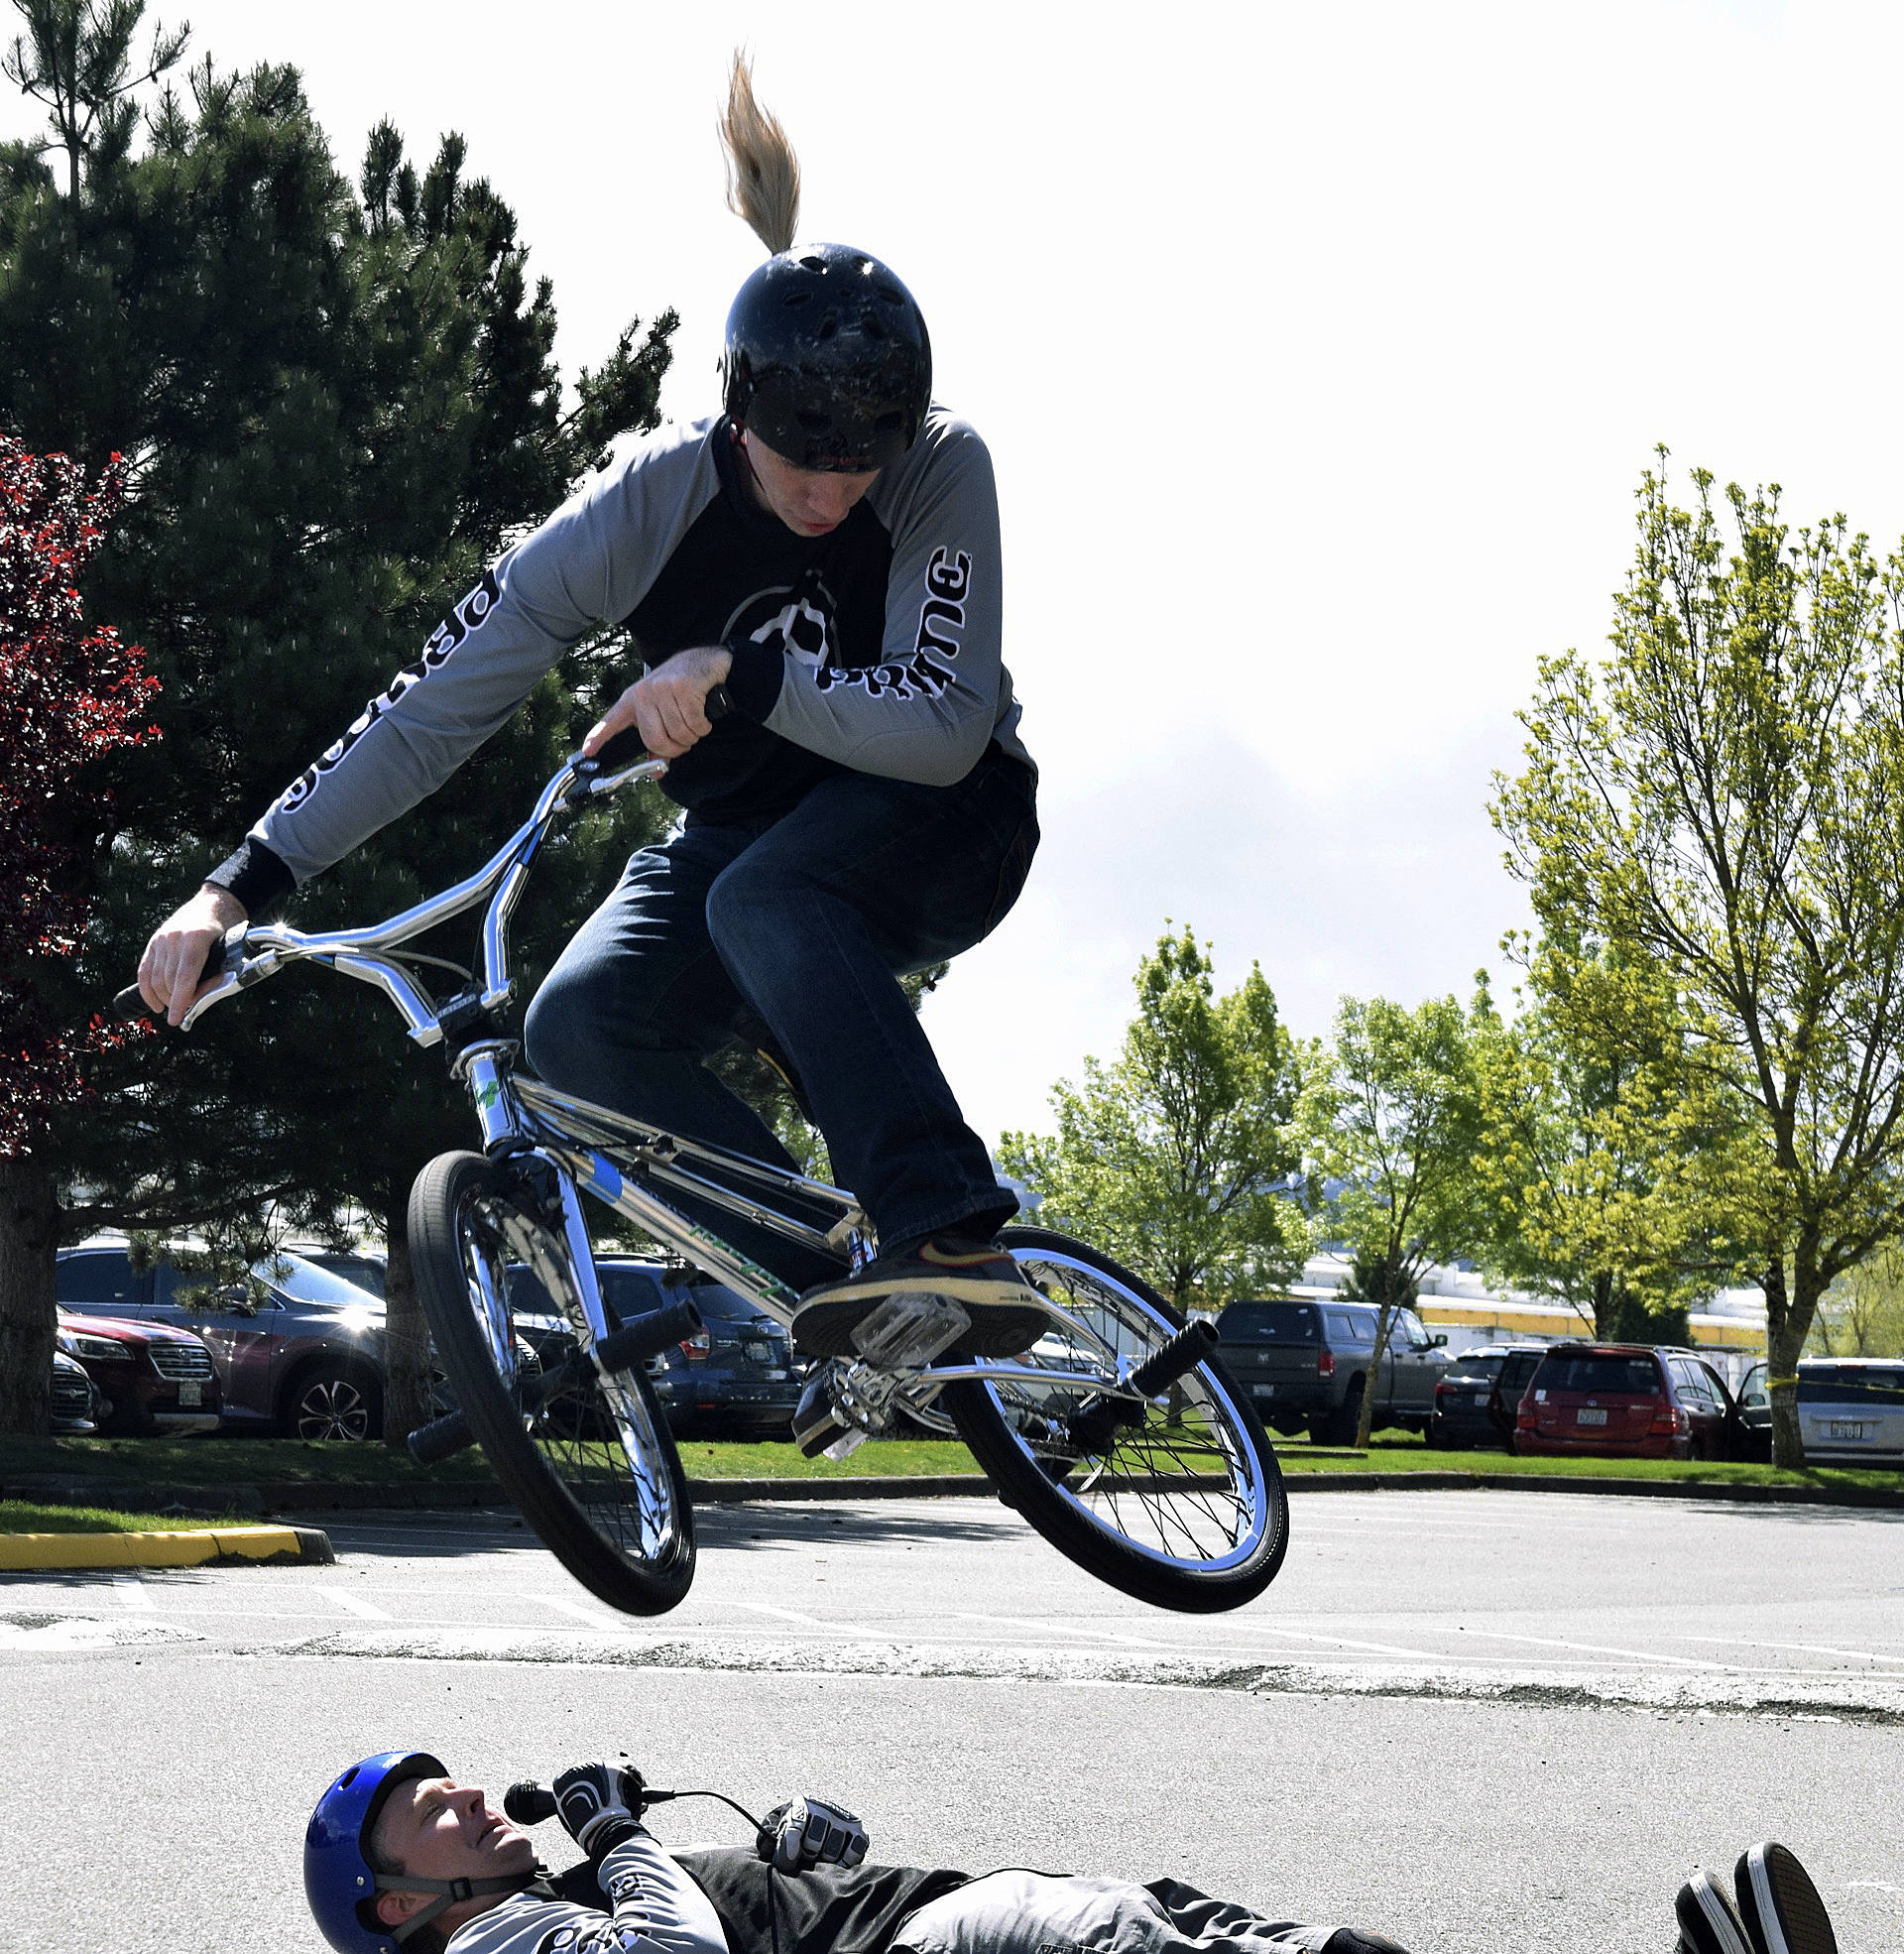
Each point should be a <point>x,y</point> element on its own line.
<point>331,1403</point>
<point>1338,1427</point>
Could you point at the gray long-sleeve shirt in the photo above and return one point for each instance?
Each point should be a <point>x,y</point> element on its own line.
<point>874,648</point>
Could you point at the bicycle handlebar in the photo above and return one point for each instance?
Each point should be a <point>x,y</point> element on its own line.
<point>619,760</point>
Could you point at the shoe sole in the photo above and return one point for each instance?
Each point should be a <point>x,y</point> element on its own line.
<point>1779,1904</point>
<point>1707,1924</point>
<point>1002,1326</point>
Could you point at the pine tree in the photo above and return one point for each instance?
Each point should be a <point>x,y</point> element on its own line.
<point>337,406</point>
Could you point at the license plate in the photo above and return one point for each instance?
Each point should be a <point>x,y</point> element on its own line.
<point>777,1375</point>
<point>1590,1418</point>
<point>1847,1428</point>
<point>191,1394</point>
<point>755,1353</point>
<point>1263,1390</point>
<point>1481,1397</point>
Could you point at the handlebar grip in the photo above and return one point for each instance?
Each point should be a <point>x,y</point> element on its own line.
<point>648,1336</point>
<point>130,1005</point>
<point>626,747</point>
<point>529,1803</point>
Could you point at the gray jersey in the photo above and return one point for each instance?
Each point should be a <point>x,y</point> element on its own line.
<point>874,648</point>
<point>657,1909</point>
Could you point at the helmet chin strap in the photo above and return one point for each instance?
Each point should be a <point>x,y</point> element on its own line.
<point>451,1892</point>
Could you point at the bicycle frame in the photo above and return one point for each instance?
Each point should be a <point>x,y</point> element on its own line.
<point>590,1146</point>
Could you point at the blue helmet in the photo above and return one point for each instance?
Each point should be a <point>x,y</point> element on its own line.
<point>339,1881</point>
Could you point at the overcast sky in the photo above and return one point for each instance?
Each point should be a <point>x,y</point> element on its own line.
<point>1320,350</point>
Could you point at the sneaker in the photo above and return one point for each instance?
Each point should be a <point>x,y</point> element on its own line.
<point>1781,1909</point>
<point>1008,1314</point>
<point>1709,1924</point>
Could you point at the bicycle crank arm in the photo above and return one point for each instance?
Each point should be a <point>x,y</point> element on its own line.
<point>622,1350</point>
<point>1094,1427</point>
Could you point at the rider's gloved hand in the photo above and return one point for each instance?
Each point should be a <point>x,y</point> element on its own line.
<point>599,1805</point>
<point>809,1832</point>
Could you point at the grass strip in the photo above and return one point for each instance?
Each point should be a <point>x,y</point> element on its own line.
<point>28,1516</point>
<point>219,1461</point>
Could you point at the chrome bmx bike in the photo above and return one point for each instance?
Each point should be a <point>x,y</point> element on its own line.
<point>1117,1434</point>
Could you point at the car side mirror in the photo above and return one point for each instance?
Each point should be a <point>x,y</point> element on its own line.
<point>1438,1342</point>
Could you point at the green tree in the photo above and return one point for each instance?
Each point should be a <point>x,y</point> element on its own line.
<point>1724,797</point>
<point>1175,1157</point>
<point>1861,1314</point>
<point>337,406</point>
<point>1392,1120</point>
<point>1602,1165</point>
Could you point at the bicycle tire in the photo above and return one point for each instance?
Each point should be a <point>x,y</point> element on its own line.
<point>1197,1522</point>
<point>609,1503</point>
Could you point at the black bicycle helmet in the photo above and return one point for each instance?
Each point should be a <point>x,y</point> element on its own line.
<point>827,359</point>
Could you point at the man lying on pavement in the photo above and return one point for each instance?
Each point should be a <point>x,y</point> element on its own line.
<point>398,1855</point>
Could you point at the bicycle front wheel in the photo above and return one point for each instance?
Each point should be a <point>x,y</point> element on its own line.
<point>592,1470</point>
<point>1182,1507</point>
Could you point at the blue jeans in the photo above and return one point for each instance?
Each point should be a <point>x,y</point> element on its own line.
<point>806,922</point>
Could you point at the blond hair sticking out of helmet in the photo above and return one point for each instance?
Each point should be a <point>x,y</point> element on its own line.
<point>763,172</point>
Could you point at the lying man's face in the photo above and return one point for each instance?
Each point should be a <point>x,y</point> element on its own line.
<point>438,1830</point>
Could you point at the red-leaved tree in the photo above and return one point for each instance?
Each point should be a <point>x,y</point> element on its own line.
<point>67,695</point>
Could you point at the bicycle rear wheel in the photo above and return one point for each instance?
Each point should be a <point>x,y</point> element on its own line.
<point>593,1470</point>
<point>1184,1507</point>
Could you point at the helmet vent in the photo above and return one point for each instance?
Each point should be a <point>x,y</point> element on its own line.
<point>793,299</point>
<point>887,293</point>
<point>827,327</point>
<point>813,262</point>
<point>871,327</point>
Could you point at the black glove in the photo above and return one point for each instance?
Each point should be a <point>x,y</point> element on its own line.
<point>809,1832</point>
<point>599,1805</point>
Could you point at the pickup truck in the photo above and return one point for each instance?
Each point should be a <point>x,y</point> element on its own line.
<point>1307,1365</point>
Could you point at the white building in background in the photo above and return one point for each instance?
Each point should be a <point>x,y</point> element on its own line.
<point>1457,1303</point>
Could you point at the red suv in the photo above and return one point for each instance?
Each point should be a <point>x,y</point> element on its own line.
<point>1625,1401</point>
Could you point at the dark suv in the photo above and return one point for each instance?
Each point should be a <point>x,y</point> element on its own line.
<point>1308,1364</point>
<point>1474,1403</point>
<point>297,1349</point>
<point>738,1377</point>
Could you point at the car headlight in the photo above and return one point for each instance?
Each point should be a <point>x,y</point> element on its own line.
<point>107,1350</point>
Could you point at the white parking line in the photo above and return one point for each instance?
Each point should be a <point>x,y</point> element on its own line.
<point>1344,1641</point>
<point>1800,1647</point>
<point>1063,1629</point>
<point>808,1620</point>
<point>352,1604</point>
<point>594,1617</point>
<point>1603,1648</point>
<point>132,1591</point>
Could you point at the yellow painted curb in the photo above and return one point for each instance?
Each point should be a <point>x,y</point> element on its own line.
<point>184,1548</point>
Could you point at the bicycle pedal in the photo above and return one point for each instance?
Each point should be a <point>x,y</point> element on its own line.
<point>909,1330</point>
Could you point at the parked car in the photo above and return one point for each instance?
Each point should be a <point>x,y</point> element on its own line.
<point>150,1378</point>
<point>297,1349</point>
<point>363,1269</point>
<point>1308,1364</point>
<point>1850,1409</point>
<point>1626,1401</point>
<point>1476,1402</point>
<point>738,1377</point>
<point>75,1397</point>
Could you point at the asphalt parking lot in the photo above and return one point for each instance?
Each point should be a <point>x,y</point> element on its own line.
<point>1478,1721</point>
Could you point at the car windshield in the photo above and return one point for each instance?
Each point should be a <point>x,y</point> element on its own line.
<point>1269,1322</point>
<point>1882,1381</point>
<point>1600,1372</point>
<point>712,1299</point>
<point>305,1282</point>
